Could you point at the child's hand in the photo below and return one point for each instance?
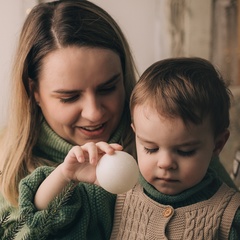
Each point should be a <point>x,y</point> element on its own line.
<point>80,163</point>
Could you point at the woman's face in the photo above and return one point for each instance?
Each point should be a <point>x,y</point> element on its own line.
<point>81,93</point>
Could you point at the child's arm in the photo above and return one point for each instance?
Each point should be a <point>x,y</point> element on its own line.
<point>79,165</point>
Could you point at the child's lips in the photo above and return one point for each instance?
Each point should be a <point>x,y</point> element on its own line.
<point>168,180</point>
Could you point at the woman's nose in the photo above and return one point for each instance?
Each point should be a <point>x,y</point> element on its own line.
<point>92,109</point>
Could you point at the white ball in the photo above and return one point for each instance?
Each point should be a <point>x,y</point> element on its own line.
<point>117,173</point>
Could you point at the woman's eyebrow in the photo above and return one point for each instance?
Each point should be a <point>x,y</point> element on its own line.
<point>64,91</point>
<point>113,79</point>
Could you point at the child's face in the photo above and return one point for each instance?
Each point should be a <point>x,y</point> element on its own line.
<point>171,156</point>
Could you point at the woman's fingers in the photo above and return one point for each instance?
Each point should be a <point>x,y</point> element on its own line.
<point>76,153</point>
<point>81,161</point>
<point>116,146</point>
<point>104,147</point>
<point>92,152</point>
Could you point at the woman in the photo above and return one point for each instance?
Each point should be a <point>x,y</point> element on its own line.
<point>72,79</point>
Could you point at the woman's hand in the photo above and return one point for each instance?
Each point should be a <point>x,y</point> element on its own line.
<point>80,163</point>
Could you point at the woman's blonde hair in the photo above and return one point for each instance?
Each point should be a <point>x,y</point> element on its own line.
<point>50,26</point>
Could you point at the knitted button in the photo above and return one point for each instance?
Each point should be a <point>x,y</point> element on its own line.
<point>167,212</point>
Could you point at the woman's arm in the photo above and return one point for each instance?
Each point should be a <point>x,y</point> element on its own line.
<point>50,188</point>
<point>78,166</point>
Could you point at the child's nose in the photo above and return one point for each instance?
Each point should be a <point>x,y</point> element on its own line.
<point>166,161</point>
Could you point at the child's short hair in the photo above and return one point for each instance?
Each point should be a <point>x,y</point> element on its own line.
<point>190,88</point>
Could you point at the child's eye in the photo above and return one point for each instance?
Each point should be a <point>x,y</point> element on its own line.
<point>69,99</point>
<point>186,153</point>
<point>150,150</point>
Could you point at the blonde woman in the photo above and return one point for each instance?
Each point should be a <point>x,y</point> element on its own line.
<point>71,83</point>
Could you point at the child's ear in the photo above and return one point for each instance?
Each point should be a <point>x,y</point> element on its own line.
<point>220,141</point>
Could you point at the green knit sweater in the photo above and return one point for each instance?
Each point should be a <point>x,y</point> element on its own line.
<point>87,211</point>
<point>54,148</point>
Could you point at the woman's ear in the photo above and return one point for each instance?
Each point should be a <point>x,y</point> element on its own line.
<point>220,142</point>
<point>33,90</point>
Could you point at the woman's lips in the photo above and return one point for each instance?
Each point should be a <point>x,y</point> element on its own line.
<point>92,128</point>
<point>92,131</point>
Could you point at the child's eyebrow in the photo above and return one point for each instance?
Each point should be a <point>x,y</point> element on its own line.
<point>185,144</point>
<point>144,140</point>
<point>190,143</point>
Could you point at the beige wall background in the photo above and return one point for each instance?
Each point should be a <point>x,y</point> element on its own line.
<point>144,22</point>
<point>136,18</point>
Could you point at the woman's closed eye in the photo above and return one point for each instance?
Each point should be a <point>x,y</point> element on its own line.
<point>111,85</point>
<point>69,99</point>
<point>107,90</point>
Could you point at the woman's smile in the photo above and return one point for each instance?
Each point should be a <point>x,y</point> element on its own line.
<point>92,128</point>
<point>93,131</point>
<point>85,105</point>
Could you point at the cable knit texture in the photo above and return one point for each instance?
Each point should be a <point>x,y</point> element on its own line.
<point>139,217</point>
<point>89,212</point>
<point>66,221</point>
<point>53,148</point>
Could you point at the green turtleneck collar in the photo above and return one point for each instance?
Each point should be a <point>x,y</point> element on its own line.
<point>202,191</point>
<point>54,148</point>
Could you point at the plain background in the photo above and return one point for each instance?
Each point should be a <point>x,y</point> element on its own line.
<point>135,17</point>
<point>145,23</point>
